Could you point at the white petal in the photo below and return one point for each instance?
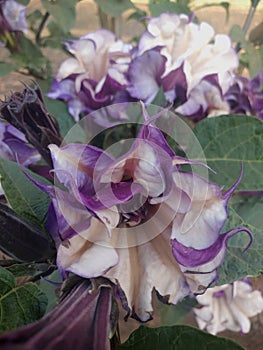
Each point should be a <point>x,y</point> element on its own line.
<point>206,215</point>
<point>68,67</point>
<point>84,258</point>
<point>145,267</point>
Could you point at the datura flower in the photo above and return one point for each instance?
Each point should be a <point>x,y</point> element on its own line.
<point>15,15</point>
<point>228,307</point>
<point>183,58</point>
<point>245,96</point>
<point>84,318</point>
<point>138,220</point>
<point>12,23</point>
<point>94,77</point>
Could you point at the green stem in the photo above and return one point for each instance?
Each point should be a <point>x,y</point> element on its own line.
<point>248,20</point>
<point>41,26</point>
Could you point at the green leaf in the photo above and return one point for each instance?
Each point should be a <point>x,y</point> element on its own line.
<point>160,99</point>
<point>63,12</point>
<point>114,8</point>
<point>227,141</point>
<point>255,61</point>
<point>57,108</point>
<point>6,68</point>
<point>167,6</point>
<point>19,305</point>
<point>56,37</point>
<point>24,197</point>
<point>238,264</point>
<point>39,66</point>
<point>22,269</point>
<point>176,338</point>
<point>171,314</point>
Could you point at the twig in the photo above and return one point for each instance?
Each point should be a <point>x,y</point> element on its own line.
<point>248,20</point>
<point>41,26</point>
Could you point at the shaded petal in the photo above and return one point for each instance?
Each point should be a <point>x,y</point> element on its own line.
<point>207,214</point>
<point>145,74</point>
<point>85,258</point>
<point>64,89</point>
<point>68,67</point>
<point>145,267</point>
<point>78,162</point>
<point>209,257</point>
<point>15,14</point>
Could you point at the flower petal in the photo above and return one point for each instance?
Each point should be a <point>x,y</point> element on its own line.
<point>207,214</point>
<point>84,258</point>
<point>145,267</point>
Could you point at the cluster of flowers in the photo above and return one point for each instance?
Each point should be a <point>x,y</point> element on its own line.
<point>228,307</point>
<point>132,219</point>
<point>194,67</point>
<point>137,219</point>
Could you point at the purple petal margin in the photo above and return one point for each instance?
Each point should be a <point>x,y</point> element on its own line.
<point>81,321</point>
<point>190,257</point>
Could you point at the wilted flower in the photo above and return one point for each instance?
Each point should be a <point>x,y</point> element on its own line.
<point>12,23</point>
<point>82,320</point>
<point>183,58</point>
<point>26,112</point>
<point>228,307</point>
<point>94,77</point>
<point>138,220</point>
<point>245,96</point>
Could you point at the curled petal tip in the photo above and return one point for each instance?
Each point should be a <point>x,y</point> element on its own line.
<point>231,190</point>
<point>231,233</point>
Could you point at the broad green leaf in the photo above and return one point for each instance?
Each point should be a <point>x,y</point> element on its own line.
<point>6,68</point>
<point>249,206</point>
<point>57,108</point>
<point>63,12</point>
<point>227,141</point>
<point>31,57</point>
<point>24,197</point>
<point>56,37</point>
<point>115,8</point>
<point>238,264</point>
<point>160,99</point>
<point>22,269</point>
<point>167,6</point>
<point>171,315</point>
<point>176,338</point>
<point>19,305</point>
